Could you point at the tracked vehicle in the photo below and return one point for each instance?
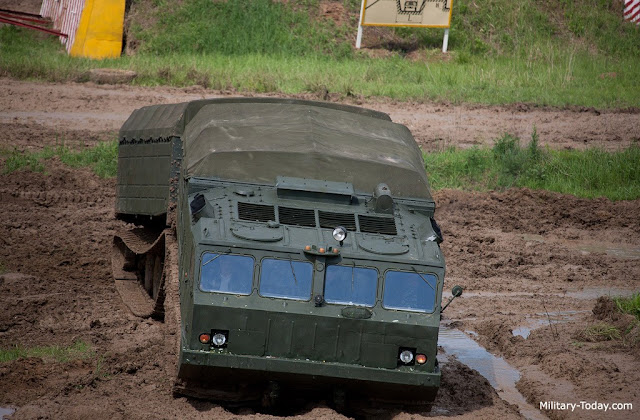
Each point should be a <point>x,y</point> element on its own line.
<point>291,244</point>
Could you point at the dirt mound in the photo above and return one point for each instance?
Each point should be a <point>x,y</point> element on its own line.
<point>606,309</point>
<point>463,389</point>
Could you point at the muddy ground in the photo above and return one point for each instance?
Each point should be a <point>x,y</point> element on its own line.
<point>526,259</point>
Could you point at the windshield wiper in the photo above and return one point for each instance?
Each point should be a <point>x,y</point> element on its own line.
<point>217,255</point>
<point>292,270</point>
<point>212,259</point>
<point>353,270</point>
<point>422,277</point>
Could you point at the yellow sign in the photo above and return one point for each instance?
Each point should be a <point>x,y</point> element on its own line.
<point>421,13</point>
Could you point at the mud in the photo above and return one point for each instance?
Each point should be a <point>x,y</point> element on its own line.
<point>519,254</point>
<point>101,109</point>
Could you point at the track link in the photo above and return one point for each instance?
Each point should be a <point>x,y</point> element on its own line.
<point>138,260</point>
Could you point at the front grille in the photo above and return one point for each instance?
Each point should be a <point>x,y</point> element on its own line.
<point>256,212</point>
<point>332,220</point>
<point>375,224</point>
<point>297,217</point>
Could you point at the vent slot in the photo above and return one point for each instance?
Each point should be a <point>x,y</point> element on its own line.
<point>332,220</point>
<point>297,217</point>
<point>374,224</point>
<point>256,212</point>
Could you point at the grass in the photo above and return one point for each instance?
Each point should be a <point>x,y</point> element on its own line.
<point>630,305</point>
<point>77,350</point>
<point>601,332</point>
<point>237,27</point>
<point>546,53</point>
<point>588,173</point>
<point>3,269</point>
<point>102,158</point>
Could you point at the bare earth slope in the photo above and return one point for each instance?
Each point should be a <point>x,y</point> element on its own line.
<point>526,259</point>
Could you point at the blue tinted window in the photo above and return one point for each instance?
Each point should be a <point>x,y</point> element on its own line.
<point>226,273</point>
<point>409,291</point>
<point>350,285</point>
<point>286,279</point>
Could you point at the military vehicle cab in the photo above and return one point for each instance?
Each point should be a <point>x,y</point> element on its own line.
<point>299,240</point>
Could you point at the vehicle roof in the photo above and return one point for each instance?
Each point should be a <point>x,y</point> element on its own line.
<point>258,139</point>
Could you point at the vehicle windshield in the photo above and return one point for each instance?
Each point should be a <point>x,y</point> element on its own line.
<point>286,279</point>
<point>225,273</point>
<point>350,285</point>
<point>409,291</point>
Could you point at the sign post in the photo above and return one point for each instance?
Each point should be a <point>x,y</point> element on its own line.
<point>359,37</point>
<point>412,13</point>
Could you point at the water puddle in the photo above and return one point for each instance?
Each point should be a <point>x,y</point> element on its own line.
<point>5,412</point>
<point>622,251</point>
<point>496,370</point>
<point>541,319</point>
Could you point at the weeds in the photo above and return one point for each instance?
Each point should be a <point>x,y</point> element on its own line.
<point>600,332</point>
<point>102,158</point>
<point>18,160</point>
<point>590,173</point>
<point>77,350</point>
<point>629,305</point>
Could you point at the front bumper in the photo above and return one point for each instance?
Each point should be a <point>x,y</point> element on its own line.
<point>393,385</point>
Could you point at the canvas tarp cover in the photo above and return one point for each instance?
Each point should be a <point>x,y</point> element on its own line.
<point>164,121</point>
<point>256,142</point>
<point>154,121</point>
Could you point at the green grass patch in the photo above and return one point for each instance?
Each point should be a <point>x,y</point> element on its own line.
<point>501,52</point>
<point>587,173</point>
<point>630,305</point>
<point>102,158</point>
<point>77,350</point>
<point>238,27</point>
<point>3,269</point>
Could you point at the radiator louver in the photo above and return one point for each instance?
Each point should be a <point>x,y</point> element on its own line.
<point>332,220</point>
<point>256,212</point>
<point>306,217</point>
<point>297,217</point>
<point>374,224</point>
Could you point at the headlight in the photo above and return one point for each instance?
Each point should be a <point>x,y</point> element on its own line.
<point>406,356</point>
<point>339,234</point>
<point>218,340</point>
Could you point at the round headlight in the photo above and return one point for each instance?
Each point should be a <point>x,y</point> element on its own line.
<point>219,339</point>
<point>339,234</point>
<point>405,357</point>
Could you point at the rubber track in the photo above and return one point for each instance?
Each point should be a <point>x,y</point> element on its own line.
<point>135,297</point>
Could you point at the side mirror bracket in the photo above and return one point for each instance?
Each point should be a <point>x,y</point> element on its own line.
<point>455,292</point>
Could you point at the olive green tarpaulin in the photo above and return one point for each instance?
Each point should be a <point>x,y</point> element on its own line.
<point>256,140</point>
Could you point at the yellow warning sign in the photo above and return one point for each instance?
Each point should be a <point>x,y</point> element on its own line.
<point>422,13</point>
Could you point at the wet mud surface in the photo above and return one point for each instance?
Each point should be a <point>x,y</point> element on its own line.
<point>527,260</point>
<point>74,107</point>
